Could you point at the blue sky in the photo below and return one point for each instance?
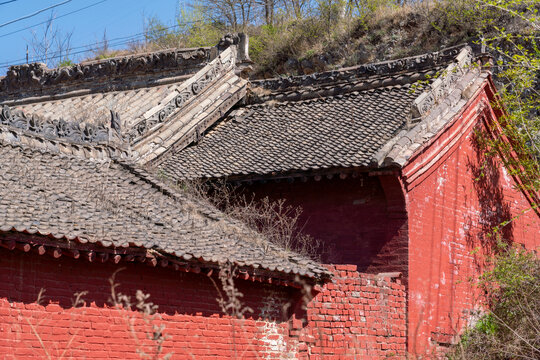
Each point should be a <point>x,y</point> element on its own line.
<point>119,18</point>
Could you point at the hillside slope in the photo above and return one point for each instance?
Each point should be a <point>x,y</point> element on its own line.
<point>389,32</point>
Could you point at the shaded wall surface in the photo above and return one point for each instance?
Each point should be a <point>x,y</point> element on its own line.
<point>453,209</point>
<point>354,315</point>
<point>351,217</point>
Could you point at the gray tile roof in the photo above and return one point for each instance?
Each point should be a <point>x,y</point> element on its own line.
<point>367,116</point>
<point>95,108</point>
<point>68,180</point>
<point>334,131</point>
<point>147,111</point>
<point>114,204</point>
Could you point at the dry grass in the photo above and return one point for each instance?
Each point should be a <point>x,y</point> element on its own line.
<point>384,33</point>
<point>276,221</point>
<point>376,31</point>
<point>379,31</point>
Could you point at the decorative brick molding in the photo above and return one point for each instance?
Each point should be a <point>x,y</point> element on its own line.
<point>189,90</point>
<point>443,86</point>
<point>60,129</point>
<point>37,75</point>
<point>434,109</point>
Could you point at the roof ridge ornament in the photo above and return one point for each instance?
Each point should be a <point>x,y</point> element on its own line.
<point>62,129</point>
<point>434,109</point>
<point>240,41</point>
<point>37,75</point>
<point>351,74</point>
<point>186,92</point>
<point>443,85</point>
<point>116,124</point>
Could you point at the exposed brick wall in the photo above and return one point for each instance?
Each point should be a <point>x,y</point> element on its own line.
<point>352,217</point>
<point>194,324</point>
<point>452,208</point>
<point>357,316</point>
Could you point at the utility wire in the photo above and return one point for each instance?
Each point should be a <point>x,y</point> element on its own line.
<point>110,42</point>
<point>96,46</point>
<point>7,2</point>
<point>34,14</point>
<point>133,37</point>
<point>57,17</point>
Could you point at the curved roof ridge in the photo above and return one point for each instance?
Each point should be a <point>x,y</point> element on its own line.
<point>36,76</point>
<point>408,64</point>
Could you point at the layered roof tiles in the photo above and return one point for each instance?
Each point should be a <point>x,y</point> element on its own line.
<point>71,156</point>
<point>81,147</point>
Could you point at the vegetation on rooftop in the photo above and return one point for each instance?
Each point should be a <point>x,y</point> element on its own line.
<point>304,36</point>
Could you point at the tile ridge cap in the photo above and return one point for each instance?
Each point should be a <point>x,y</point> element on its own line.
<point>453,87</point>
<point>65,130</point>
<point>18,132</point>
<point>345,88</point>
<point>35,76</point>
<point>388,67</point>
<point>16,138</point>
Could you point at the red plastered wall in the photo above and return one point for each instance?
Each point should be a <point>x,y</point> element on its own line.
<point>357,316</point>
<point>351,217</point>
<point>452,209</point>
<point>194,327</point>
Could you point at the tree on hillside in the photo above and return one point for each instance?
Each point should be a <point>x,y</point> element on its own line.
<point>517,55</point>
<point>51,45</point>
<point>236,14</point>
<point>510,327</point>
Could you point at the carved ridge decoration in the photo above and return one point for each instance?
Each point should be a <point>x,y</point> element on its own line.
<point>443,85</point>
<point>61,129</point>
<point>37,75</point>
<point>200,82</point>
<point>412,64</point>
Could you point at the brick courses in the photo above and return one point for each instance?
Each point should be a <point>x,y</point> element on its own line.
<point>356,315</point>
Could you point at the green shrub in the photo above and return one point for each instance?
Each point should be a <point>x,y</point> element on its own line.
<point>510,329</point>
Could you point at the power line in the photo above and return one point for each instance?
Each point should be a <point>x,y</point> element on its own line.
<point>96,46</point>
<point>127,39</point>
<point>134,36</point>
<point>7,2</point>
<point>110,42</point>
<point>34,14</point>
<point>57,17</point>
